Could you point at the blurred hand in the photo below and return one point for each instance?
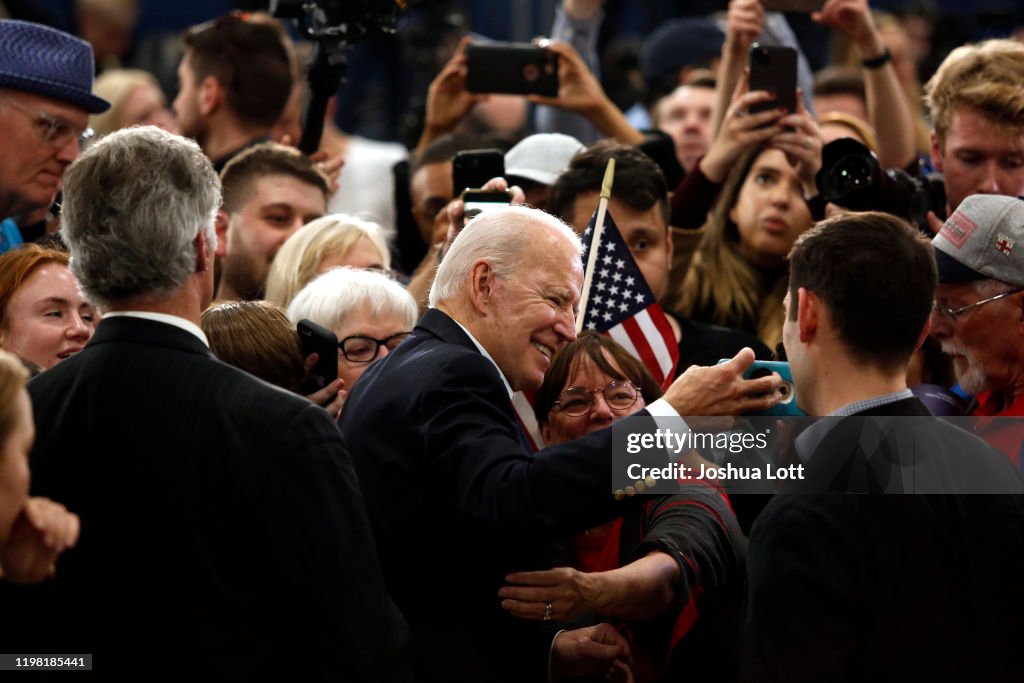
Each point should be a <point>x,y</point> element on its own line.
<point>455,211</point>
<point>582,9</point>
<point>744,24</point>
<point>331,397</point>
<point>42,531</point>
<point>593,651</point>
<point>578,90</point>
<point>740,130</point>
<point>448,101</point>
<point>329,167</point>
<point>801,140</point>
<point>852,18</point>
<point>722,390</point>
<point>571,593</point>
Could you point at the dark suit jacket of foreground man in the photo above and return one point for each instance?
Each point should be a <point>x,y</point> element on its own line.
<point>223,531</point>
<point>457,500</point>
<point>855,587</point>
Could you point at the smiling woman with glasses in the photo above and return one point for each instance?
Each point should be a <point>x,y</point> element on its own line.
<point>591,383</point>
<point>368,311</point>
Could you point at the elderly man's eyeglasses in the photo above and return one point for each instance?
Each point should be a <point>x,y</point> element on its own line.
<point>55,131</point>
<point>360,349</point>
<point>952,313</point>
<point>579,401</point>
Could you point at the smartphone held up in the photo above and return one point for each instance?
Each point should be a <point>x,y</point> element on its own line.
<point>511,69</point>
<point>773,69</point>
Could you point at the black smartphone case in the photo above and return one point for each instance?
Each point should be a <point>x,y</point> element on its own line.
<point>773,69</point>
<point>511,68</point>
<point>472,168</point>
<point>314,338</point>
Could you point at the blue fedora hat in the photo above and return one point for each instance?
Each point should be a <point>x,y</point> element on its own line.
<point>44,61</point>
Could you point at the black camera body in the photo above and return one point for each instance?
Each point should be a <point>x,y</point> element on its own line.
<point>852,178</point>
<point>348,20</point>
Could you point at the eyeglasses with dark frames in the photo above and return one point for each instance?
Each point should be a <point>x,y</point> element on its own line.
<point>362,349</point>
<point>54,130</point>
<point>952,313</point>
<point>620,395</point>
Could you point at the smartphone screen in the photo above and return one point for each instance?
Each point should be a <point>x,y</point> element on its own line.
<point>773,69</point>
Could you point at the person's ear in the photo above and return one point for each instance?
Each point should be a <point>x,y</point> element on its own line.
<point>936,150</point>
<point>211,95</point>
<point>482,284</point>
<point>924,332</point>
<point>221,226</point>
<point>545,432</point>
<point>204,257</point>
<point>669,247</point>
<point>808,313</point>
<point>1019,296</point>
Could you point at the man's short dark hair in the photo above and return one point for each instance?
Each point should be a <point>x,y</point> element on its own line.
<point>443,148</point>
<point>834,80</point>
<point>267,158</point>
<point>877,276</point>
<point>639,183</point>
<point>250,61</point>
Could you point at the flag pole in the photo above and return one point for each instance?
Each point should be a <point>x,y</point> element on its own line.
<point>595,240</point>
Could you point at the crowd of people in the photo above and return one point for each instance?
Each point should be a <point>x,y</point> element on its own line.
<point>448,504</point>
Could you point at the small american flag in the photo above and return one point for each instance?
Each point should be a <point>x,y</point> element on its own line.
<point>621,305</point>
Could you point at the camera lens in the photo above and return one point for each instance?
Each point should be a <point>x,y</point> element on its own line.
<point>851,174</point>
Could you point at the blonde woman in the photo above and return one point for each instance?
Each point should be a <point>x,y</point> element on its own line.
<point>320,245</point>
<point>136,100</point>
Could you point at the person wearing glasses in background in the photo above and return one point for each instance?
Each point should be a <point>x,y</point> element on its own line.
<point>46,97</point>
<point>369,313</point>
<point>660,563</point>
<point>978,317</point>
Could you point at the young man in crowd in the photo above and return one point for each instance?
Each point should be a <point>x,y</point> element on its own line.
<point>270,191</point>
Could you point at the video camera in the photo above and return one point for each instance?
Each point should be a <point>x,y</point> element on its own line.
<point>852,178</point>
<point>350,20</point>
<point>333,25</point>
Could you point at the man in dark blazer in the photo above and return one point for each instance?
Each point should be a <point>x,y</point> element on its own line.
<point>889,585</point>
<point>456,499</point>
<point>223,528</point>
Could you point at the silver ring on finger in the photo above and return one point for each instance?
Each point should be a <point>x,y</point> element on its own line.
<point>807,141</point>
<point>547,611</point>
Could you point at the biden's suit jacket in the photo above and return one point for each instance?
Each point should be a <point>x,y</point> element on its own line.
<point>457,500</point>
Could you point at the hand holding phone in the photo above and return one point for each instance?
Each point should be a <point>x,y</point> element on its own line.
<point>475,202</point>
<point>324,343</point>
<point>762,368</point>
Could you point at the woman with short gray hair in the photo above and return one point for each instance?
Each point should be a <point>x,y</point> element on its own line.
<point>369,312</point>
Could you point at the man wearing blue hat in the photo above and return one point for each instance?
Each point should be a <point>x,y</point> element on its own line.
<point>45,100</point>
